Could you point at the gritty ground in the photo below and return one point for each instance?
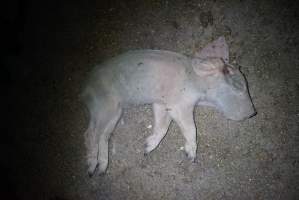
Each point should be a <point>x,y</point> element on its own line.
<point>60,42</point>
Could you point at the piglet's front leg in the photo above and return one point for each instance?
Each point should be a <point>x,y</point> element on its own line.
<point>183,116</point>
<point>161,124</point>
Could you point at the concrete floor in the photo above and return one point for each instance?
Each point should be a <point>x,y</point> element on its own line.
<point>61,42</point>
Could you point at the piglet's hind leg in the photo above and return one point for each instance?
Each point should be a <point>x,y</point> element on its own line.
<point>105,114</point>
<point>112,116</point>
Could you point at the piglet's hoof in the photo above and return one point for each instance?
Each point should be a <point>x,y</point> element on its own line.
<point>92,172</point>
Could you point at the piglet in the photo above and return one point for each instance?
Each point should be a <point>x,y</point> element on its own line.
<point>173,83</point>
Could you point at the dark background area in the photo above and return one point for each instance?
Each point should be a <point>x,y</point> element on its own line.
<point>47,50</point>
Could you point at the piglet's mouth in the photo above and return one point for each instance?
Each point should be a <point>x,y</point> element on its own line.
<point>243,118</point>
<point>253,114</point>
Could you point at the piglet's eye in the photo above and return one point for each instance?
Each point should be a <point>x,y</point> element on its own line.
<point>228,70</point>
<point>225,71</point>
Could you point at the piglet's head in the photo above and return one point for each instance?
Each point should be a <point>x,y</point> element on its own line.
<point>226,87</point>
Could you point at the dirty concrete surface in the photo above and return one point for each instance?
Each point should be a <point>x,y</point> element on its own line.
<point>58,43</point>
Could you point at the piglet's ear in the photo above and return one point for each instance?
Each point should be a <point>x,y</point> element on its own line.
<point>217,48</point>
<point>207,67</point>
